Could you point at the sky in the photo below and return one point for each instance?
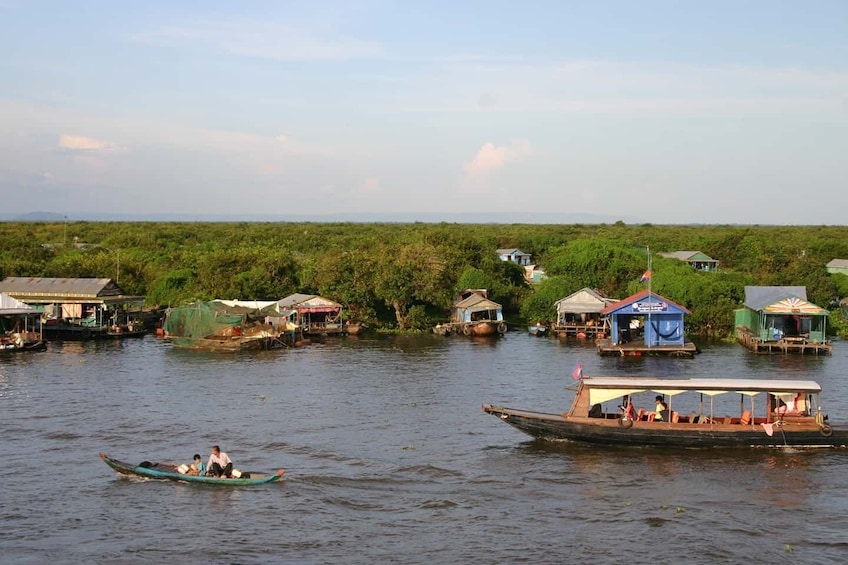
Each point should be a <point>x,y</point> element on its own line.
<point>667,112</point>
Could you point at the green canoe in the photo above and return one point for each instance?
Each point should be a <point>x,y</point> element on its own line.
<point>168,471</point>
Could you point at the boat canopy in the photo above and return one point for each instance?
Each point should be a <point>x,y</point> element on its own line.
<point>602,389</point>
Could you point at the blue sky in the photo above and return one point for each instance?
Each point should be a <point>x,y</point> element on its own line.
<point>655,111</point>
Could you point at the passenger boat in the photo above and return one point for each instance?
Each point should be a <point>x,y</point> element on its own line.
<point>168,471</point>
<point>788,414</point>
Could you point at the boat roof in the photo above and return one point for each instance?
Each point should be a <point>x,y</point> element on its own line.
<point>703,383</point>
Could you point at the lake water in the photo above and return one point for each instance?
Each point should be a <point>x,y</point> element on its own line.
<point>391,460</point>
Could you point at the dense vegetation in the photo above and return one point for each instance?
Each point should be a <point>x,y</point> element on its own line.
<point>406,275</point>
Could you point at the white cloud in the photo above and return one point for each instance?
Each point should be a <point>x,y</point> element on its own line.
<point>265,40</point>
<point>82,143</point>
<point>490,158</point>
<point>370,185</point>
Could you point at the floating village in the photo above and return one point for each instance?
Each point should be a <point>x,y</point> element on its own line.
<point>772,320</point>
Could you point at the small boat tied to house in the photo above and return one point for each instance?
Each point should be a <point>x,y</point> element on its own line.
<point>691,413</point>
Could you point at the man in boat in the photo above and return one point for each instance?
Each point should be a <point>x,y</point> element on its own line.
<point>661,412</point>
<point>219,464</point>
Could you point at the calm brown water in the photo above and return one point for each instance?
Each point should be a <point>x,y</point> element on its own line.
<point>391,460</point>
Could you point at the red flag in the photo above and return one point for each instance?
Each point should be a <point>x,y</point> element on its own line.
<point>577,373</point>
<point>646,276</point>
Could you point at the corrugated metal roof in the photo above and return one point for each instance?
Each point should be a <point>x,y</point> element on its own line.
<point>293,299</point>
<point>77,288</point>
<point>306,301</point>
<point>10,306</point>
<point>511,252</point>
<point>584,301</point>
<point>758,297</point>
<point>687,256</point>
<point>838,264</point>
<point>476,302</point>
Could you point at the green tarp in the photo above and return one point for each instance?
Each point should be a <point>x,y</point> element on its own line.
<point>200,319</point>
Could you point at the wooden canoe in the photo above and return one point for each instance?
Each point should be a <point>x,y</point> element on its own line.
<point>168,471</point>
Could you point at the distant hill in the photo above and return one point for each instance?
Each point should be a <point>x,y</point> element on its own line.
<point>33,217</point>
<point>402,218</point>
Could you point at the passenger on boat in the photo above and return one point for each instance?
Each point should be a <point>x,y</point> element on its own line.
<point>628,412</point>
<point>798,406</point>
<point>219,464</point>
<point>596,411</point>
<point>661,411</point>
<point>198,467</point>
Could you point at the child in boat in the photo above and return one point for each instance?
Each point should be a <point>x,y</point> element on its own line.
<point>198,467</point>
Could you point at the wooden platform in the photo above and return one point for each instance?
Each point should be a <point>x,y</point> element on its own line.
<point>795,345</point>
<point>570,330</point>
<point>639,349</point>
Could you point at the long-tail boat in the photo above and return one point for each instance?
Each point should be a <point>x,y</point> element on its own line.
<point>787,414</point>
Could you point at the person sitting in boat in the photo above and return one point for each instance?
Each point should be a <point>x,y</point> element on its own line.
<point>661,411</point>
<point>197,467</point>
<point>797,406</point>
<point>219,464</point>
<point>628,412</point>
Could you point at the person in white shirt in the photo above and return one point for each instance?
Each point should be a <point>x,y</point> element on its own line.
<point>219,464</point>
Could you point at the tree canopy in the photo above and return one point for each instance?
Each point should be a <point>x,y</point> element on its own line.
<point>406,275</point>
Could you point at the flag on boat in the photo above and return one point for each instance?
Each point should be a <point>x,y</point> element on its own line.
<point>646,276</point>
<point>577,373</point>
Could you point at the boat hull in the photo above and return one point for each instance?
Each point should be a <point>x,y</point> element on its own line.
<point>85,333</point>
<point>559,427</point>
<point>482,328</point>
<point>28,346</point>
<point>168,471</point>
<point>226,344</point>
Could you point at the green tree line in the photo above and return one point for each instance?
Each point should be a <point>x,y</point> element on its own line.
<point>405,276</point>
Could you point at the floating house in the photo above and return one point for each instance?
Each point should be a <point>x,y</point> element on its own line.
<point>473,314</point>
<point>779,319</point>
<point>646,324</point>
<point>314,314</point>
<point>79,309</point>
<point>698,260</point>
<point>579,314</point>
<point>516,256</point>
<point>838,266</point>
<point>216,326</point>
<point>20,327</point>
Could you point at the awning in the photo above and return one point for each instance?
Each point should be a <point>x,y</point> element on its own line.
<point>600,395</point>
